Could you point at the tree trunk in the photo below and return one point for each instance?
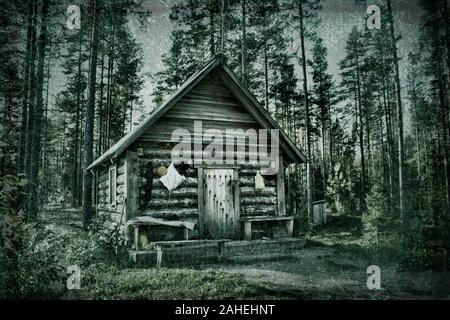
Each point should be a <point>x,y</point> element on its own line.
<point>44,166</point>
<point>361,135</point>
<point>31,102</point>
<point>212,42</point>
<point>37,115</point>
<point>266,64</point>
<point>90,114</point>
<point>244,42</point>
<point>445,16</point>
<point>101,116</point>
<point>309,183</point>
<point>109,91</point>
<point>400,117</point>
<point>324,160</point>
<point>26,87</point>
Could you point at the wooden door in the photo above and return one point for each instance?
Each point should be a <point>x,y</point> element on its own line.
<point>221,203</point>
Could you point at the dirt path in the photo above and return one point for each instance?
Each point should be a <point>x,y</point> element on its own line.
<point>332,273</point>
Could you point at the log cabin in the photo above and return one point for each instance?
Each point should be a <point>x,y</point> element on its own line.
<point>214,201</point>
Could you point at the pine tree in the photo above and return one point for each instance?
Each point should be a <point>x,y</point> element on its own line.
<point>90,112</point>
<point>33,200</point>
<point>323,97</point>
<point>305,19</point>
<point>352,89</point>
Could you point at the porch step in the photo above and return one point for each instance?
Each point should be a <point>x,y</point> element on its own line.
<point>234,251</point>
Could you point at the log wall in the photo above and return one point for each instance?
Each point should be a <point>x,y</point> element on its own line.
<point>104,207</point>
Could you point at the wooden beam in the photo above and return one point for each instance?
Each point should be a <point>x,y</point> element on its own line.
<point>281,201</point>
<point>136,237</point>
<point>159,256</point>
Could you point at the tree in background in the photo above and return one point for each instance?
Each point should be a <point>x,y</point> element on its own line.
<point>323,97</point>
<point>352,89</point>
<point>90,113</point>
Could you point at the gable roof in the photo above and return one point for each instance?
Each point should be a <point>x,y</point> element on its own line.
<point>243,95</point>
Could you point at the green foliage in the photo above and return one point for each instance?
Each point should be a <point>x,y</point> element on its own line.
<point>374,218</point>
<point>344,177</point>
<point>35,268</point>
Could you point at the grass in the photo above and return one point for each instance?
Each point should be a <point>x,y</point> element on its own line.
<point>164,284</point>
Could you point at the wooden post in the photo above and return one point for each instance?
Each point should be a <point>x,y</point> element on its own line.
<point>136,237</point>
<point>201,202</point>
<point>220,250</point>
<point>280,189</point>
<point>290,227</point>
<point>237,202</point>
<point>159,255</point>
<point>248,230</point>
<point>186,233</point>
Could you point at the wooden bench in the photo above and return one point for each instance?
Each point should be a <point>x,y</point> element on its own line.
<point>137,224</point>
<point>160,246</point>
<point>248,221</point>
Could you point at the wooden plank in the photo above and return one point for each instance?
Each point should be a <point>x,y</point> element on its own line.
<point>187,242</point>
<point>266,218</point>
<point>280,188</point>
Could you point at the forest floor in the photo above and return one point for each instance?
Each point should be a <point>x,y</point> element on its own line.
<point>332,265</point>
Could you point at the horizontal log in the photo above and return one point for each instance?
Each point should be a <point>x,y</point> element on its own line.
<point>120,179</point>
<point>180,203</point>
<point>181,213</point>
<point>251,191</point>
<point>250,182</point>
<point>177,193</point>
<point>121,189</point>
<point>247,201</point>
<point>256,210</point>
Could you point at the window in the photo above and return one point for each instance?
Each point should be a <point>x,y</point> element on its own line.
<point>112,186</point>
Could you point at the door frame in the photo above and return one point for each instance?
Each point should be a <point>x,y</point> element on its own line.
<point>200,192</point>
